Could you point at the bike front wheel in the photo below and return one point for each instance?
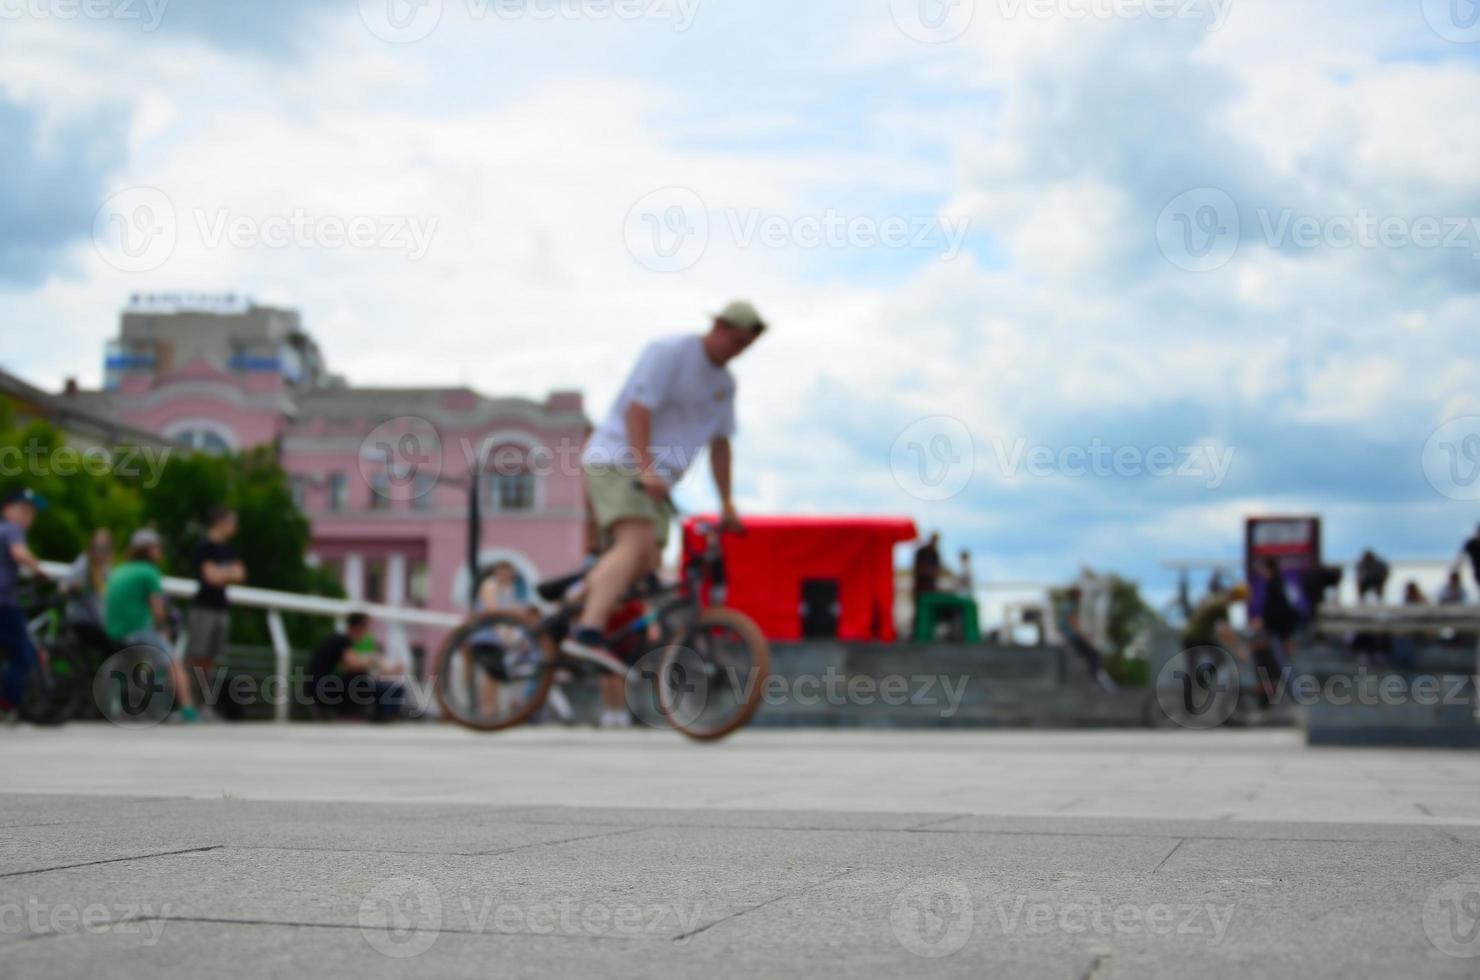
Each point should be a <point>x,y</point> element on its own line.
<point>493,673</point>
<point>57,687</point>
<point>712,681</point>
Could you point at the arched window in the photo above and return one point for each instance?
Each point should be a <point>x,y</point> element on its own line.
<point>203,437</point>
<point>510,486</point>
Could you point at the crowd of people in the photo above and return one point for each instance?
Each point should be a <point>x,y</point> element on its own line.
<point>1281,608</point>
<point>118,602</point>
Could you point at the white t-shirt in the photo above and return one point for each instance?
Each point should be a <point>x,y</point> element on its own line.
<point>692,401</point>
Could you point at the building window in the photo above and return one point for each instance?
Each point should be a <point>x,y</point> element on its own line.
<point>338,491</point>
<point>512,492</point>
<point>380,492</point>
<point>423,492</point>
<point>203,441</point>
<point>512,488</point>
<point>417,580</point>
<point>375,581</point>
<point>298,483</point>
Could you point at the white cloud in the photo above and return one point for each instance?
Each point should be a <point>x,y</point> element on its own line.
<point>1060,141</point>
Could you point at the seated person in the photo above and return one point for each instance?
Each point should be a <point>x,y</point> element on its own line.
<point>135,613</point>
<point>347,679</point>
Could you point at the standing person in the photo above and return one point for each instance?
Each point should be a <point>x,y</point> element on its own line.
<point>1274,649</point>
<point>1471,550</point>
<point>216,566</point>
<point>1372,577</point>
<point>136,614</point>
<point>926,575</point>
<point>500,592</point>
<point>965,581</point>
<point>679,398</point>
<point>87,580</point>
<point>1453,593</point>
<point>1073,632</point>
<point>17,513</point>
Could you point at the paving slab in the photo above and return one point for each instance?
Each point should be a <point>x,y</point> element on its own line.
<point>257,852</point>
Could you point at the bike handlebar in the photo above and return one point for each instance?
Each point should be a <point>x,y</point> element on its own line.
<point>704,527</point>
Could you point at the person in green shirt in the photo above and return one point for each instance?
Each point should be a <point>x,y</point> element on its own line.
<point>135,612</point>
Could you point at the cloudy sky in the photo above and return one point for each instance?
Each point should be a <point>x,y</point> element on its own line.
<point>1071,280</point>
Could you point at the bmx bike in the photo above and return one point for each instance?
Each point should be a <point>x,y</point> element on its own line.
<point>703,667</point>
<point>58,684</point>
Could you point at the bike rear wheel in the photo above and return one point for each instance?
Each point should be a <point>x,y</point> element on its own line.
<point>711,683</point>
<point>493,672</point>
<point>56,688</point>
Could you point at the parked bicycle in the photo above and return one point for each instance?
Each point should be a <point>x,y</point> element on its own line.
<point>707,666</point>
<point>58,684</point>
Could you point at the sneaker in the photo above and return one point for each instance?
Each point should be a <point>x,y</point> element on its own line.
<point>615,719</point>
<point>586,646</point>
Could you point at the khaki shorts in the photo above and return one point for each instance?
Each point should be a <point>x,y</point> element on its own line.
<point>207,629</point>
<point>614,497</point>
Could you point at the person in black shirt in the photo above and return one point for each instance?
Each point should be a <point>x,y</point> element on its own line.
<point>1471,549</point>
<point>349,680</point>
<point>216,566</point>
<point>1372,577</point>
<point>927,573</point>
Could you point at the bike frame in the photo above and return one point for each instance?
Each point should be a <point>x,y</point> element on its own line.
<point>681,596</point>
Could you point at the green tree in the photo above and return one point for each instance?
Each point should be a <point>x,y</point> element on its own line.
<point>272,537</point>
<point>81,494</point>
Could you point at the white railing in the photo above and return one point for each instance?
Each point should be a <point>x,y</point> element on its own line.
<point>277,603</point>
<point>1403,620</point>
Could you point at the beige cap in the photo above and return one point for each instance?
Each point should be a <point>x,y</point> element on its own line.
<point>145,537</point>
<point>742,314</point>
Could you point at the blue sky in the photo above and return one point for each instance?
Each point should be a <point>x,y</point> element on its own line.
<point>1040,163</point>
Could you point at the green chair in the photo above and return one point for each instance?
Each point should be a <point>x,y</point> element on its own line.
<point>934,608</point>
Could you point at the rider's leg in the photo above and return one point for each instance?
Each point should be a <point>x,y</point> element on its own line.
<point>634,552</point>
<point>15,641</point>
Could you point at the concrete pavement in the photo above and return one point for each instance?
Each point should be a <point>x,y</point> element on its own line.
<point>422,849</point>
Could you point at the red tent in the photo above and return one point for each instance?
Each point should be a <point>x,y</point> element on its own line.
<point>813,576</point>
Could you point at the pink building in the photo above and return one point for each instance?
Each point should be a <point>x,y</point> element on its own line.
<point>382,473</point>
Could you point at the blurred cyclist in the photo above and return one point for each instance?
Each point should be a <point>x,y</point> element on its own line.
<point>17,512</point>
<point>679,398</point>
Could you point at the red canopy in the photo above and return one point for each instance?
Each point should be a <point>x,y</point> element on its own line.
<point>766,569</point>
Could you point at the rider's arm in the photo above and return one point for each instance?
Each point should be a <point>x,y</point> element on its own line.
<point>158,607</point>
<point>719,462</point>
<point>216,574</point>
<point>363,662</point>
<point>1229,640</point>
<point>640,434</point>
<point>26,559</point>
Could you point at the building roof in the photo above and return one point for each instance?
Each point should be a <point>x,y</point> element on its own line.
<point>447,405</point>
<point>77,414</point>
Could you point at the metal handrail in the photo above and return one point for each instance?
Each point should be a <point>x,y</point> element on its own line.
<point>276,603</point>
